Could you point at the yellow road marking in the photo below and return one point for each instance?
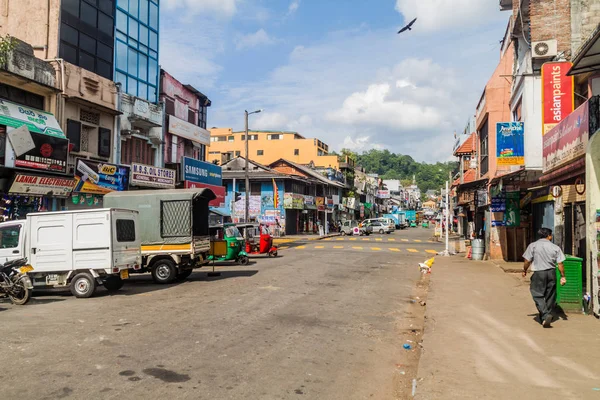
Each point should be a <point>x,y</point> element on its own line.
<point>327,240</point>
<point>394,249</point>
<point>413,250</point>
<point>301,247</point>
<point>431,251</point>
<point>357,248</point>
<point>282,247</point>
<point>418,241</point>
<point>404,240</point>
<point>391,240</point>
<point>353,239</point>
<point>339,239</point>
<point>367,239</point>
<point>338,247</point>
<point>319,247</point>
<point>378,239</point>
<point>376,248</point>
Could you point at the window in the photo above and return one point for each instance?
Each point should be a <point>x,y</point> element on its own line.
<point>218,138</point>
<point>192,117</point>
<point>255,188</point>
<point>104,142</point>
<point>9,236</point>
<point>170,106</point>
<point>483,135</point>
<point>153,15</point>
<point>237,153</point>
<point>144,12</point>
<point>230,138</point>
<point>202,117</point>
<point>74,133</point>
<point>125,230</point>
<point>274,137</point>
<point>89,14</point>
<point>517,112</point>
<point>71,6</point>
<point>296,152</point>
<point>138,151</point>
<point>260,152</point>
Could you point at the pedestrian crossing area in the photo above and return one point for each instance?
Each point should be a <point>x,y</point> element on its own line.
<point>359,247</point>
<point>374,239</point>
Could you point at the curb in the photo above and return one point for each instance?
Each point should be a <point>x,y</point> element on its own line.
<point>508,269</point>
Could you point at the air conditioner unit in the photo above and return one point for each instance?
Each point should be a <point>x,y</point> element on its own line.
<point>544,49</point>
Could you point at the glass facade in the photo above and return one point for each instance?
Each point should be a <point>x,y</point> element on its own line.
<point>87,35</point>
<point>136,48</point>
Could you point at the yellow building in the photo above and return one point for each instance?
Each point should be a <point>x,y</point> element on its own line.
<point>266,147</point>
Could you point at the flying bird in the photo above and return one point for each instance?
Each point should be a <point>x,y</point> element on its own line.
<point>408,27</point>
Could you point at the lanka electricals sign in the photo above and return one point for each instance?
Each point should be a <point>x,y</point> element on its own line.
<point>568,140</point>
<point>201,172</point>
<point>510,148</point>
<point>558,94</point>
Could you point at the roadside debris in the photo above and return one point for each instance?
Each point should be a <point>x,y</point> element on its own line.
<point>425,267</point>
<point>407,346</point>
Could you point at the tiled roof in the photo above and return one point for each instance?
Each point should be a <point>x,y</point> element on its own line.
<point>468,146</point>
<point>470,175</point>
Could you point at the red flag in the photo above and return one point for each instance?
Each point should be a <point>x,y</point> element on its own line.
<point>275,195</point>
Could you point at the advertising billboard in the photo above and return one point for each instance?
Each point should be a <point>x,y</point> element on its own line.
<point>201,172</point>
<point>558,94</point>
<point>219,191</point>
<point>510,143</point>
<point>99,177</point>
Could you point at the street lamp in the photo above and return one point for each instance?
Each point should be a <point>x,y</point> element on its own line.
<point>247,186</point>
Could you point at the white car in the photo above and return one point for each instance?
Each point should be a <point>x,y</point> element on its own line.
<point>380,227</point>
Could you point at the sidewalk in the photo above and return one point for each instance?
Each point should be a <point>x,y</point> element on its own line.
<point>481,341</point>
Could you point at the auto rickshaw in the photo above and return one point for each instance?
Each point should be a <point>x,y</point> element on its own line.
<point>234,240</point>
<point>258,239</point>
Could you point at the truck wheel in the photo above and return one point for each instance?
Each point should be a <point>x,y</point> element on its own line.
<point>83,285</point>
<point>113,283</point>
<point>184,274</point>
<point>164,271</point>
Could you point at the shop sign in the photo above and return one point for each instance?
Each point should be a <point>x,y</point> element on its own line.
<point>201,172</point>
<point>510,145</point>
<point>37,151</point>
<point>336,199</point>
<point>15,115</point>
<point>309,200</point>
<point>558,94</point>
<point>512,216</point>
<point>362,211</point>
<point>351,203</point>
<point>383,194</point>
<point>320,203</point>
<point>189,131</point>
<point>297,201</point>
<point>288,201</point>
<point>330,203</point>
<point>148,175</point>
<point>42,186</point>
<point>100,178</point>
<point>219,191</point>
<point>568,140</point>
<point>147,111</point>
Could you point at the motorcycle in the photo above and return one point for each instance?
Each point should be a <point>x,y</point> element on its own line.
<point>14,281</point>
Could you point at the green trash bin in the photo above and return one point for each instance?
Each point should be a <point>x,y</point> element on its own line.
<point>569,297</point>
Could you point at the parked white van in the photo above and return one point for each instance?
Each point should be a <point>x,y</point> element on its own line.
<point>75,249</point>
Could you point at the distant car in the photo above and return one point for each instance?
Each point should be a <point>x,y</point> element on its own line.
<point>385,221</point>
<point>350,227</point>
<point>380,227</point>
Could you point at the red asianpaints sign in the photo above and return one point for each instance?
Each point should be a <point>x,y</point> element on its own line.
<point>558,94</point>
<point>568,140</point>
<point>219,191</point>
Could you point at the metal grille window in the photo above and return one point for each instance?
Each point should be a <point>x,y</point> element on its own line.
<point>89,117</point>
<point>125,230</point>
<point>85,138</point>
<point>175,218</point>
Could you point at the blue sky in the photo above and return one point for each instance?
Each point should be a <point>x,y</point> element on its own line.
<point>337,70</point>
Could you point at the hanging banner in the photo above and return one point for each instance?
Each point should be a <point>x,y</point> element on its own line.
<point>288,201</point>
<point>558,94</point>
<point>510,139</point>
<point>298,201</point>
<point>320,201</point>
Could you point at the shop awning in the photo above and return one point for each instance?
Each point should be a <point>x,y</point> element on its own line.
<point>588,56</point>
<point>565,175</point>
<point>15,115</point>
<point>478,184</point>
<point>310,207</point>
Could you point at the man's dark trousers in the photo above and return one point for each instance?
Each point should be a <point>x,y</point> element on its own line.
<point>543,290</point>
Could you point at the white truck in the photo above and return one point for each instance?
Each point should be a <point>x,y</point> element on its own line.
<point>75,249</point>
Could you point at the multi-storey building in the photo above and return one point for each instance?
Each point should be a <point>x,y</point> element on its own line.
<point>266,147</point>
<point>185,126</point>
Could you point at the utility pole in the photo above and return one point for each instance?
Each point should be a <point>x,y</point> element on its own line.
<point>247,176</point>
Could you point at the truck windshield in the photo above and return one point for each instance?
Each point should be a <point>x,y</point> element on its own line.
<point>9,236</point>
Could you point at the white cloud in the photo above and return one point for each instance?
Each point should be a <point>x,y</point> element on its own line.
<point>293,7</point>
<point>269,121</point>
<point>259,38</point>
<point>359,144</point>
<point>222,7</point>
<point>435,15</point>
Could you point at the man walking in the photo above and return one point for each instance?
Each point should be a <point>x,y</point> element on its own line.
<point>543,256</point>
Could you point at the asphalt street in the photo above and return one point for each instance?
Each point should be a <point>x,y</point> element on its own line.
<point>322,321</point>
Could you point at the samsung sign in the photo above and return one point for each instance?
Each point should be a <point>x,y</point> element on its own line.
<point>201,172</point>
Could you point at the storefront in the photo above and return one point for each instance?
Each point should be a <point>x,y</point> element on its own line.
<point>33,154</point>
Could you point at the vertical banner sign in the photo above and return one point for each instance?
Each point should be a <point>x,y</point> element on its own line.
<point>275,195</point>
<point>510,148</point>
<point>558,94</point>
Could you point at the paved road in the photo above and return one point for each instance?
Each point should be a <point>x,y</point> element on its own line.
<point>313,323</point>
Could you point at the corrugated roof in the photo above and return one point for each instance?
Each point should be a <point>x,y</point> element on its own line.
<point>469,176</point>
<point>468,147</point>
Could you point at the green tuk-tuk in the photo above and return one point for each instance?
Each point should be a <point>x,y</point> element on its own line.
<point>234,244</point>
